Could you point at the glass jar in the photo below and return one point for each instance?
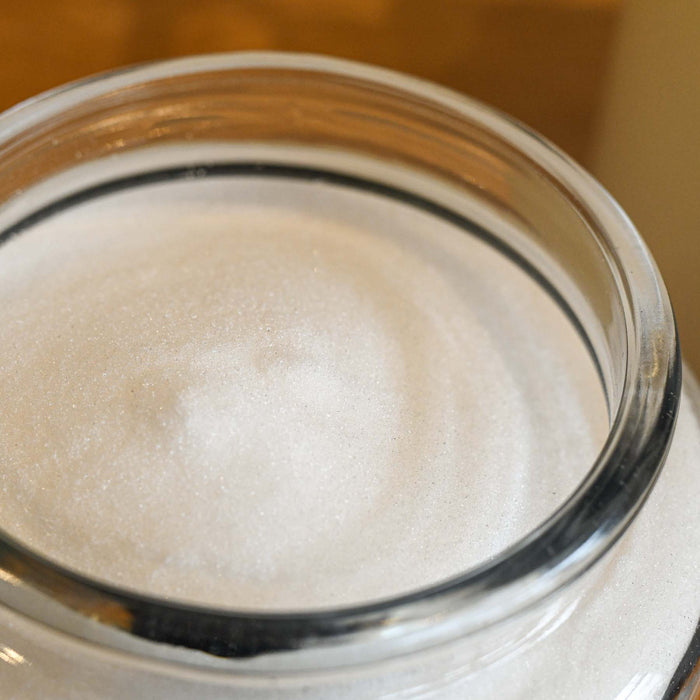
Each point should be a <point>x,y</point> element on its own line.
<point>583,606</point>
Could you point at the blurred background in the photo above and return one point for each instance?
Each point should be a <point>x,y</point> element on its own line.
<point>614,83</point>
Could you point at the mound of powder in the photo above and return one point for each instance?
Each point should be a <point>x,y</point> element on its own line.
<point>273,394</point>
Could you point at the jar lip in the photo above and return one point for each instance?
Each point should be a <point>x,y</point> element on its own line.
<point>580,532</point>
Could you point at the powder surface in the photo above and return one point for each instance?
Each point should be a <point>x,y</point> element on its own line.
<point>274,394</point>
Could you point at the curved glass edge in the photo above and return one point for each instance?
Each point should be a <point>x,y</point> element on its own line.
<point>685,683</point>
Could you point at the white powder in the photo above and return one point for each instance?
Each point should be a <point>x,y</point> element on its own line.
<point>266,394</point>
<point>269,394</point>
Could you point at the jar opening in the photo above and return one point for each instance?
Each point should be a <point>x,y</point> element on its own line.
<point>459,160</point>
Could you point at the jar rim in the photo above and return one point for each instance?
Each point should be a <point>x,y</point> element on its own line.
<point>557,552</point>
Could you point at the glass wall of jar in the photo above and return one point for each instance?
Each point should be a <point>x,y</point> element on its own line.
<point>600,600</point>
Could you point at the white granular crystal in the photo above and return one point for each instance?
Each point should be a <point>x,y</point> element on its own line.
<point>275,395</point>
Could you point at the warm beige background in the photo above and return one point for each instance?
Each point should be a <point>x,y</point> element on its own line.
<point>541,60</point>
<point>592,75</point>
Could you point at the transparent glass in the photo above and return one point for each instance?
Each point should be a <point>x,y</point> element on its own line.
<point>386,133</point>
